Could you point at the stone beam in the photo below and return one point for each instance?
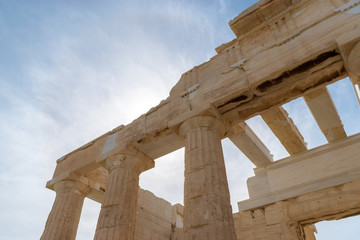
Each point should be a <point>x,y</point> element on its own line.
<point>248,143</point>
<point>324,111</point>
<point>294,218</point>
<point>240,81</point>
<point>326,166</point>
<point>149,134</point>
<point>332,203</point>
<point>285,130</point>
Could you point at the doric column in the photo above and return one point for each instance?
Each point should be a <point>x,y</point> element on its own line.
<point>118,210</point>
<point>64,217</point>
<point>207,213</point>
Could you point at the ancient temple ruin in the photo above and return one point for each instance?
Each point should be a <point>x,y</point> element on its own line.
<point>283,50</point>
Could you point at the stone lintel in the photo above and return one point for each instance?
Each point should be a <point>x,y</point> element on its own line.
<point>257,15</point>
<point>285,130</point>
<point>326,166</point>
<point>324,111</point>
<point>249,143</point>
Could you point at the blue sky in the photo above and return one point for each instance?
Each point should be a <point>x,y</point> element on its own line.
<point>72,70</point>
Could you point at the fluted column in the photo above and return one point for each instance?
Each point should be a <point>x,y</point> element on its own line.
<point>64,217</point>
<point>118,210</point>
<point>207,212</point>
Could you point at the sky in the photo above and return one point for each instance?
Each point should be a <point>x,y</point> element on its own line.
<point>73,70</point>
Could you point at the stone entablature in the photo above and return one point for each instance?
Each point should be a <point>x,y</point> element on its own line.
<point>319,168</point>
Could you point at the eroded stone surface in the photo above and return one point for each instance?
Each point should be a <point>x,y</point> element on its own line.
<point>64,217</point>
<point>293,218</point>
<point>117,218</point>
<point>285,130</point>
<point>325,113</point>
<point>208,213</point>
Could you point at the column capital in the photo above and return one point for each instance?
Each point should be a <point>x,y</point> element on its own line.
<point>209,122</point>
<point>130,158</point>
<point>70,186</point>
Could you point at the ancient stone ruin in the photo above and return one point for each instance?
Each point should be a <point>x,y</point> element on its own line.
<point>284,49</point>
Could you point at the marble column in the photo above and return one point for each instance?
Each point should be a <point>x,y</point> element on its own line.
<point>207,213</point>
<point>64,217</point>
<point>118,211</point>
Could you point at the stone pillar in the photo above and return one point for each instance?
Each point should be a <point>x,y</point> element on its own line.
<point>207,213</point>
<point>118,211</point>
<point>64,217</point>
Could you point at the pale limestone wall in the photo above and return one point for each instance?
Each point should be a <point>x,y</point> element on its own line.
<point>156,217</point>
<point>269,223</point>
<point>292,218</point>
